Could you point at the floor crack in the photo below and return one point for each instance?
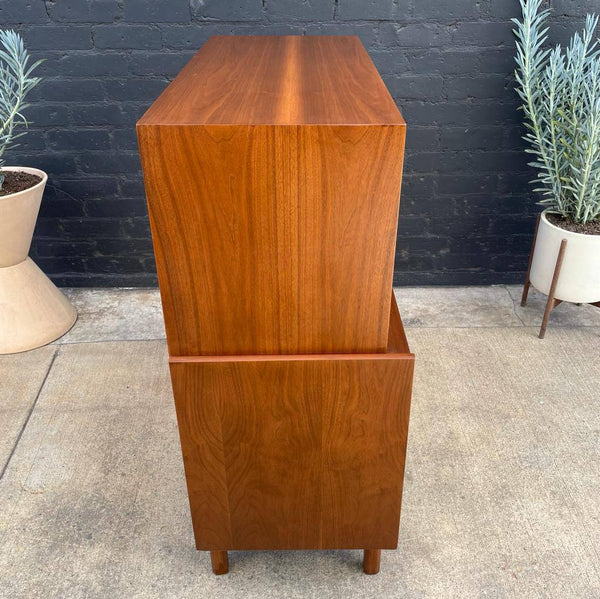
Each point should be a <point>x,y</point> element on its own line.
<point>31,409</point>
<point>514,308</point>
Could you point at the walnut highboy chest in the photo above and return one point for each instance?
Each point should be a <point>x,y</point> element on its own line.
<point>272,167</point>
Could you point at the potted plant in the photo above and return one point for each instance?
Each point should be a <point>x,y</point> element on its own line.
<point>560,91</point>
<point>33,311</point>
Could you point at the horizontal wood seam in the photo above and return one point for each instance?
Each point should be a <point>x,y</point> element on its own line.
<point>290,357</point>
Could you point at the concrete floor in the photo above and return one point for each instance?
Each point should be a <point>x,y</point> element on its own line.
<point>502,486</point>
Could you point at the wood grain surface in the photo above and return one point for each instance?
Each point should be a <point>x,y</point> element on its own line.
<point>294,453</point>
<point>274,238</point>
<point>277,80</point>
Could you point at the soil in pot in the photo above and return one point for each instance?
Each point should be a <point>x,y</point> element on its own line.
<point>15,181</point>
<point>591,228</point>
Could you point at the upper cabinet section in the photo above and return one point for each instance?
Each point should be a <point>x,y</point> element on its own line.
<point>277,80</point>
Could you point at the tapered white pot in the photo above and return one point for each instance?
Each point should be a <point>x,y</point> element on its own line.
<point>579,279</point>
<point>33,312</point>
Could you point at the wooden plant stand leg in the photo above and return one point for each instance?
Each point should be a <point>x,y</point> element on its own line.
<point>371,561</point>
<point>220,562</point>
<point>552,303</point>
<point>527,282</point>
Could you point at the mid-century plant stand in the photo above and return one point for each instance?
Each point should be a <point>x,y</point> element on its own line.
<point>272,168</point>
<point>552,301</point>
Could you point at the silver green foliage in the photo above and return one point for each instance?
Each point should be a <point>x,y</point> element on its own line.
<point>560,91</point>
<point>15,83</point>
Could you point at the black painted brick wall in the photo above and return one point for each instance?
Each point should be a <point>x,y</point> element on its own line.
<point>467,214</point>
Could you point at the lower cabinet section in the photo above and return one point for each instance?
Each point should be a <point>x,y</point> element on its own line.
<point>295,452</point>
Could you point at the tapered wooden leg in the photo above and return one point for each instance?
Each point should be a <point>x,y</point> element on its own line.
<point>525,291</point>
<point>220,562</point>
<point>552,303</point>
<point>527,282</point>
<point>371,561</point>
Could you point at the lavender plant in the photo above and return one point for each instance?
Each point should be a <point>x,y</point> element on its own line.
<point>16,82</point>
<point>560,91</point>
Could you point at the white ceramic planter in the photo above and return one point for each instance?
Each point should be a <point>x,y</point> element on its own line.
<point>33,312</point>
<point>579,279</point>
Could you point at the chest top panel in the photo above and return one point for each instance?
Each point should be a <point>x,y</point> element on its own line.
<point>277,80</point>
